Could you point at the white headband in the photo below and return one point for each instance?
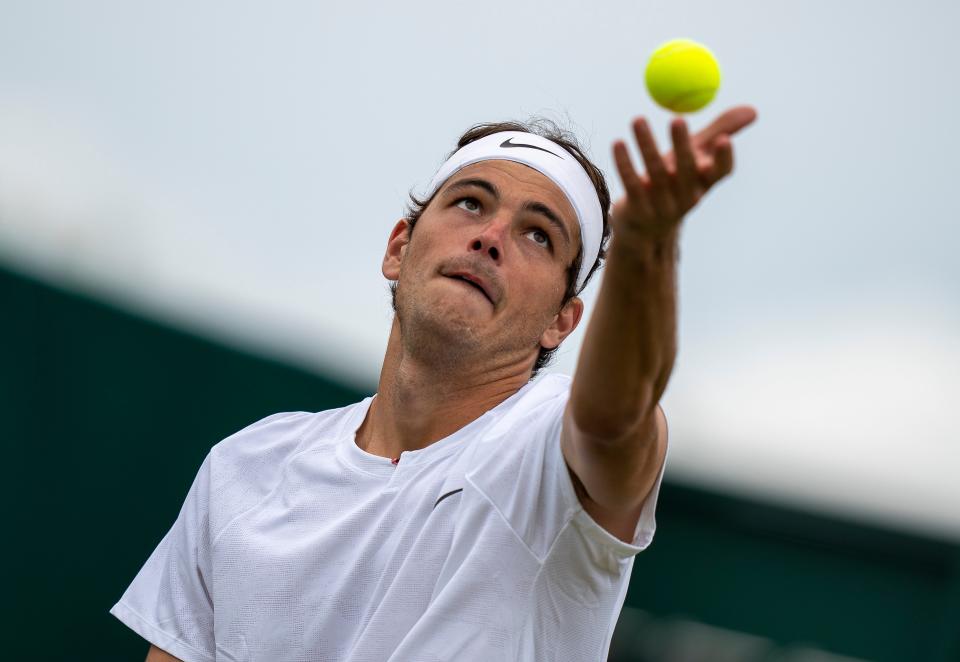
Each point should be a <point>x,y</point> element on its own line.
<point>554,162</point>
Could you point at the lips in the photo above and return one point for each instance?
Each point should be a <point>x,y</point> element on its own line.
<point>474,281</point>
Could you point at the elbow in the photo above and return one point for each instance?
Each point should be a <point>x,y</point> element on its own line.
<point>613,422</point>
<point>611,431</point>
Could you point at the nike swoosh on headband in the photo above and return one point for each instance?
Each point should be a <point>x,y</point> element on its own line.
<point>507,143</point>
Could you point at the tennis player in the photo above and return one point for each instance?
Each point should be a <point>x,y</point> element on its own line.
<point>466,511</point>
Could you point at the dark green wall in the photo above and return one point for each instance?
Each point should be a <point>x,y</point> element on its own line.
<point>800,579</point>
<point>107,417</point>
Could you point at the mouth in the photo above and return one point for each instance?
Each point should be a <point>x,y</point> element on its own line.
<point>474,285</point>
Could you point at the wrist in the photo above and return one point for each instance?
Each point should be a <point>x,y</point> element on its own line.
<point>649,248</point>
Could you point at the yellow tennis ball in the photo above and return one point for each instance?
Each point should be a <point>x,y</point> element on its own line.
<point>682,75</point>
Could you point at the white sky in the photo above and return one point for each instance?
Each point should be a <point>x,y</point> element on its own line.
<point>237,168</point>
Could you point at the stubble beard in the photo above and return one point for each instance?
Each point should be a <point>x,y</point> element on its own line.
<point>445,335</point>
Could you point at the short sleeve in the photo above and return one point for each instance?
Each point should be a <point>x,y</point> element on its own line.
<point>169,602</point>
<point>646,524</point>
<point>588,527</point>
<point>521,469</point>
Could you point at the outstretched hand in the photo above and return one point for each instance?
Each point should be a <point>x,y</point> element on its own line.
<point>655,203</point>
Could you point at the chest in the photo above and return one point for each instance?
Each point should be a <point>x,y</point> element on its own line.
<point>329,557</point>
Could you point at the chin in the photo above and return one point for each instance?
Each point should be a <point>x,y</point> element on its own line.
<point>443,323</point>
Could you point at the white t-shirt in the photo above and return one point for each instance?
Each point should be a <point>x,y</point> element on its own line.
<point>295,544</point>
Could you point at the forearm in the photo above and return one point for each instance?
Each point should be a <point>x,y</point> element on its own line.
<point>631,340</point>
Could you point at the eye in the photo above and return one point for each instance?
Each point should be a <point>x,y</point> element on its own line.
<point>546,243</point>
<point>472,204</point>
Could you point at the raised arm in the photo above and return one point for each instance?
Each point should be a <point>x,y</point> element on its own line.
<point>614,435</point>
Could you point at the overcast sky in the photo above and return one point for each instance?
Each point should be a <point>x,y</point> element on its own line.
<point>237,168</point>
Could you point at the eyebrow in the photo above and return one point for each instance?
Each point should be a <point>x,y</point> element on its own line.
<point>536,207</point>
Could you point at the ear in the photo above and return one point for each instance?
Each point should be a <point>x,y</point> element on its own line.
<point>563,324</point>
<point>396,246</point>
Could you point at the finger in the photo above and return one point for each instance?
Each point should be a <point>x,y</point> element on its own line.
<point>632,183</point>
<point>661,193</point>
<point>724,156</point>
<point>687,180</point>
<point>729,123</point>
<point>628,174</point>
<point>722,163</point>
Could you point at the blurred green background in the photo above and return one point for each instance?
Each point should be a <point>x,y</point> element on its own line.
<point>108,416</point>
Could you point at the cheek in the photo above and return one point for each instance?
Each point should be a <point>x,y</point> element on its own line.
<point>548,296</point>
<point>429,240</point>
<point>558,285</point>
<point>415,253</point>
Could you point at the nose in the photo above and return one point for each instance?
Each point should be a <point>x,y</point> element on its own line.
<point>490,239</point>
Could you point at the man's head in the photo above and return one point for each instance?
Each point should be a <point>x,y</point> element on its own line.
<point>514,230</point>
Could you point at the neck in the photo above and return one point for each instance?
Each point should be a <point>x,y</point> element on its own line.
<point>422,401</point>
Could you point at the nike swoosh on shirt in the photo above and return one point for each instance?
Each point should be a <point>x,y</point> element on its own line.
<point>451,493</point>
<point>507,143</point>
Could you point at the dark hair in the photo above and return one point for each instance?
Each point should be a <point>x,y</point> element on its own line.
<point>551,131</point>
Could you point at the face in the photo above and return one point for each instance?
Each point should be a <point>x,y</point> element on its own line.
<point>511,231</point>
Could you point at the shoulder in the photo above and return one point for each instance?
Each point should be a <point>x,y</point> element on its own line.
<point>281,434</point>
<point>248,464</point>
<point>541,403</point>
<point>525,427</point>
<point>263,433</point>
<point>259,451</point>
